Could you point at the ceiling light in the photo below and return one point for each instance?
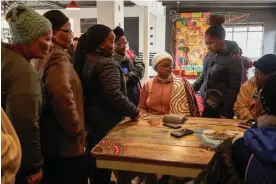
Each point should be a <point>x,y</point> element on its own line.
<point>73,6</point>
<point>178,2</point>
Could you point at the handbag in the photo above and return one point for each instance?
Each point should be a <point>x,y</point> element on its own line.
<point>212,97</point>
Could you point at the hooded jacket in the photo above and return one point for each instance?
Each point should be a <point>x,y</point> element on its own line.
<point>257,149</point>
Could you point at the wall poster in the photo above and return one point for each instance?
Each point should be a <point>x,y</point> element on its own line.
<point>190,43</point>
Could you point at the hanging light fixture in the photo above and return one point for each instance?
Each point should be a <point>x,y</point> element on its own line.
<point>73,5</point>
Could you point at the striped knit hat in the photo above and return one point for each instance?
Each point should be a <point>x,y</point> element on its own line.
<point>26,25</point>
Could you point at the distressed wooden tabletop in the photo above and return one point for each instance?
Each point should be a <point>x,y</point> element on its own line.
<point>150,142</point>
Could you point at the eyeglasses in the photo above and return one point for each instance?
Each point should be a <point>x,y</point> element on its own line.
<point>65,31</point>
<point>165,66</point>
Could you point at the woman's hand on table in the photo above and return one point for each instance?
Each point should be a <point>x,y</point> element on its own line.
<point>140,115</point>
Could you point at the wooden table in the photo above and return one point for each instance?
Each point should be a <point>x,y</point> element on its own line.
<point>142,147</point>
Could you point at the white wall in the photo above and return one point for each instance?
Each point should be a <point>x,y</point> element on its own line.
<point>75,16</point>
<point>157,22</point>
<point>137,11</point>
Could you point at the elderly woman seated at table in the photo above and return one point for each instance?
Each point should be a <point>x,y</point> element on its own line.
<point>167,93</point>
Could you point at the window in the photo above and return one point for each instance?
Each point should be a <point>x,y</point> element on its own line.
<point>249,38</point>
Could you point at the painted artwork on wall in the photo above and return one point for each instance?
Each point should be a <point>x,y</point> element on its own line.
<point>190,43</point>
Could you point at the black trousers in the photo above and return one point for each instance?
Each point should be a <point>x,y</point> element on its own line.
<point>96,175</point>
<point>71,170</point>
<point>207,113</point>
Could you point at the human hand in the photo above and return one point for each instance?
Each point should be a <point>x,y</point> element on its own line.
<point>245,125</point>
<point>126,78</point>
<point>36,178</point>
<point>137,117</point>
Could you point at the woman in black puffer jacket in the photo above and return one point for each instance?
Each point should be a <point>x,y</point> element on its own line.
<point>222,73</point>
<point>104,88</point>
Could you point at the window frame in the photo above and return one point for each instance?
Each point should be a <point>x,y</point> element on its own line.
<point>247,31</point>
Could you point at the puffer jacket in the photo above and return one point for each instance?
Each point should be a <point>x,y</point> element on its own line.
<point>135,73</point>
<point>105,93</point>
<point>222,72</point>
<point>62,119</point>
<point>245,102</point>
<point>254,154</point>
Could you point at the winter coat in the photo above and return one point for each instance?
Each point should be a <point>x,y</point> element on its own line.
<point>222,72</point>
<point>10,151</point>
<point>134,71</point>
<point>105,93</point>
<point>62,119</point>
<point>245,102</point>
<point>21,98</point>
<point>254,155</point>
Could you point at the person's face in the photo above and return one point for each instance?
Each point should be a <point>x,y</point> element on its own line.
<point>108,44</point>
<point>75,44</point>
<point>40,48</point>
<point>63,35</point>
<point>164,68</point>
<point>121,45</point>
<point>214,44</point>
<point>260,77</point>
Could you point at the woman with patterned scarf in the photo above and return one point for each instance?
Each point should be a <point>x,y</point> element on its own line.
<point>167,93</point>
<point>132,68</point>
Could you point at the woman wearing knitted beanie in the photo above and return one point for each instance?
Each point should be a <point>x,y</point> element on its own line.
<point>62,119</point>
<point>31,36</point>
<point>167,93</point>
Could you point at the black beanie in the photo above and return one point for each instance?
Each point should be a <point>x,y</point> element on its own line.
<point>266,64</point>
<point>268,94</point>
<point>118,33</point>
<point>57,18</point>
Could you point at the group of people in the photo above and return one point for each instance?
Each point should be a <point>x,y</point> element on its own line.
<point>60,110</point>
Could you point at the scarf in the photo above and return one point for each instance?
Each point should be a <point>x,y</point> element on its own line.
<point>183,100</point>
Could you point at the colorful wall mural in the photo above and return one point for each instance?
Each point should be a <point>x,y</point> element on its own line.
<point>190,43</point>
